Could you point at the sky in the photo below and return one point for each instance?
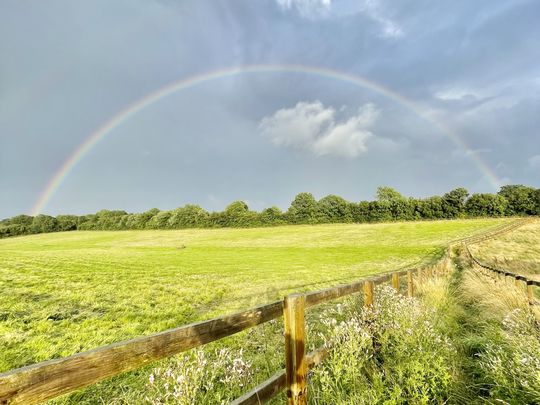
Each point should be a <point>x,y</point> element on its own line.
<point>324,96</point>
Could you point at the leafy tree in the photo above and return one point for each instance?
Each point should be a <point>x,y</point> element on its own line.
<point>14,230</point>
<point>188,216</point>
<point>454,203</point>
<point>159,221</point>
<point>237,214</point>
<point>67,222</point>
<point>360,211</point>
<point>303,209</point>
<point>333,208</point>
<point>400,207</point>
<point>271,216</point>
<point>44,223</point>
<point>520,199</point>
<point>536,201</point>
<point>483,205</point>
<point>136,221</point>
<point>25,220</point>
<point>380,211</point>
<point>108,219</point>
<point>429,208</point>
<point>388,194</point>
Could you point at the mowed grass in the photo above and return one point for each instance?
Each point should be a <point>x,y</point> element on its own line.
<point>63,293</point>
<point>517,251</point>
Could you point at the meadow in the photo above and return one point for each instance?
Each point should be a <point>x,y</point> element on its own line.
<point>68,292</point>
<point>518,251</point>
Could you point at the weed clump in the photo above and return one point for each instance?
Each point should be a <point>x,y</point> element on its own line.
<point>510,361</point>
<point>393,353</point>
<point>197,377</point>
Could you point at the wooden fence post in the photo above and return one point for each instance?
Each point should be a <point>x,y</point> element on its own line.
<point>368,293</point>
<point>395,281</point>
<point>410,285</point>
<point>295,349</point>
<point>530,293</point>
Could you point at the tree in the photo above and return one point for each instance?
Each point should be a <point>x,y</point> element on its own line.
<point>429,208</point>
<point>108,219</point>
<point>400,207</point>
<point>67,222</point>
<point>303,209</point>
<point>333,208</point>
<point>44,223</point>
<point>520,199</point>
<point>483,205</point>
<point>188,216</point>
<point>536,201</point>
<point>454,203</point>
<point>25,220</point>
<point>388,194</point>
<point>237,214</point>
<point>159,221</point>
<point>360,211</point>
<point>271,216</point>
<point>380,211</point>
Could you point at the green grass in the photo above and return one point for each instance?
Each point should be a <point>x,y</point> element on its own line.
<point>517,251</point>
<point>64,293</point>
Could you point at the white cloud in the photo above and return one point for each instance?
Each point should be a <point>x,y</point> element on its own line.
<point>313,127</point>
<point>307,8</point>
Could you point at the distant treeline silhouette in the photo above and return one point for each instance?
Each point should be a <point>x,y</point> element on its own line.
<point>389,205</point>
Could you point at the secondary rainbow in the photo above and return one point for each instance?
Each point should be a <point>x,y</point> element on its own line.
<point>114,122</point>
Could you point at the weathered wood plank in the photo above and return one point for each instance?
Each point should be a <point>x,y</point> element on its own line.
<point>330,294</point>
<point>37,383</point>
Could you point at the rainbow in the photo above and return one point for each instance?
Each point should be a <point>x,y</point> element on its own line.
<point>122,116</point>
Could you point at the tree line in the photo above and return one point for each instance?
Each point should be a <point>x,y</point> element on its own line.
<point>389,205</point>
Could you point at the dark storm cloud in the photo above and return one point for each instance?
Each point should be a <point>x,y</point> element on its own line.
<point>68,67</point>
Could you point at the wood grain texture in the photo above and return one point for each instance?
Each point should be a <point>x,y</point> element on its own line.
<point>295,346</point>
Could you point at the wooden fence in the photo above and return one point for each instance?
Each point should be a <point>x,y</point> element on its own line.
<point>39,382</point>
<point>518,279</point>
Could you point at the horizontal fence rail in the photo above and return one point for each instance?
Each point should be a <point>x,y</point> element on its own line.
<point>46,380</point>
<point>37,383</point>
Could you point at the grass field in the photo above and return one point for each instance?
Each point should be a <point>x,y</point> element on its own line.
<point>64,293</point>
<point>517,251</point>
